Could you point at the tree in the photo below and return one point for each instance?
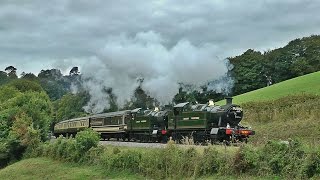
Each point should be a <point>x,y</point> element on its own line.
<point>248,71</point>
<point>12,72</point>
<point>74,71</point>
<point>25,115</point>
<point>3,77</point>
<point>54,83</point>
<point>24,85</point>
<point>180,97</point>
<point>71,106</point>
<point>50,74</point>
<point>141,99</point>
<point>112,98</point>
<point>10,69</point>
<point>29,76</point>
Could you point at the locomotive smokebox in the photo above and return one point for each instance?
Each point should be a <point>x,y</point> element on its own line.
<point>229,100</point>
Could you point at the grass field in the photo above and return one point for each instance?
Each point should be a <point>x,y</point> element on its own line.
<point>289,109</point>
<point>307,84</point>
<point>294,117</point>
<point>45,168</point>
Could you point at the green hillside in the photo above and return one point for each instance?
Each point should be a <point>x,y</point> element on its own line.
<point>307,84</point>
<point>289,109</point>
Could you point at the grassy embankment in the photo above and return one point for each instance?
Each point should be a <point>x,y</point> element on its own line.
<point>46,168</point>
<point>213,162</point>
<point>289,109</point>
<point>307,84</point>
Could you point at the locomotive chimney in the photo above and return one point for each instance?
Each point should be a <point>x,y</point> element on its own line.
<point>229,100</point>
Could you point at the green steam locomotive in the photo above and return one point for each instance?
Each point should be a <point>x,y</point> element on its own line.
<point>203,122</point>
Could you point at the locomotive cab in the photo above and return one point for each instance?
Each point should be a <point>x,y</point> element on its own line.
<point>223,123</point>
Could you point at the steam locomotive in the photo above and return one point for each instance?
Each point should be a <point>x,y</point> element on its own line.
<point>203,122</point>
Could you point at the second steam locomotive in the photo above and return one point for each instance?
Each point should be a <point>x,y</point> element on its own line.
<point>203,122</point>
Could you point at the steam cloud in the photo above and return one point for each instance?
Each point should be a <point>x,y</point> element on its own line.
<point>124,59</point>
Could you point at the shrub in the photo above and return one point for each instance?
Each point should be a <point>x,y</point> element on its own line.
<point>126,160</point>
<point>246,159</point>
<point>86,139</point>
<point>95,155</point>
<point>285,159</point>
<point>311,166</point>
<point>151,164</point>
<point>209,162</point>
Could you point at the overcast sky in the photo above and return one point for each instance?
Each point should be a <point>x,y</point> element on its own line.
<point>40,34</point>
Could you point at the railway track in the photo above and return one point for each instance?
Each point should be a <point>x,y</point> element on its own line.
<point>150,145</point>
<point>133,144</point>
<point>160,145</point>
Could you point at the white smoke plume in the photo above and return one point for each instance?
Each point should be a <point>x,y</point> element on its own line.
<point>124,59</point>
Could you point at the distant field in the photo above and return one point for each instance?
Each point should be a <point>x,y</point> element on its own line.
<point>308,84</point>
<point>45,168</point>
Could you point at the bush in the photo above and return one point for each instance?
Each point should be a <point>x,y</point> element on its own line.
<point>311,166</point>
<point>209,162</point>
<point>95,155</point>
<point>125,160</point>
<point>284,159</point>
<point>86,139</point>
<point>246,159</point>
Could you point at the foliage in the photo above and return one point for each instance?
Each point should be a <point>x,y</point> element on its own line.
<point>54,89</point>
<point>141,99</point>
<point>24,85</point>
<point>287,159</point>
<point>195,96</point>
<point>29,76</point>
<point>3,77</point>
<point>74,71</point>
<point>247,71</point>
<point>70,106</point>
<point>54,83</point>
<point>12,72</point>
<point>25,115</point>
<point>69,149</point>
<point>253,70</point>
<point>45,168</point>
<point>87,139</point>
<point>112,98</point>
<point>8,92</point>
<point>287,117</point>
<point>307,84</point>
<point>311,166</point>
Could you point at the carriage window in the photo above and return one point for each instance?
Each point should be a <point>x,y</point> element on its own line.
<point>107,121</point>
<point>96,122</point>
